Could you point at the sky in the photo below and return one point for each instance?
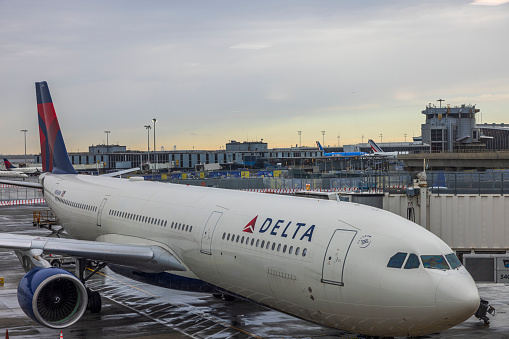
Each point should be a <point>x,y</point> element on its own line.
<point>215,71</point>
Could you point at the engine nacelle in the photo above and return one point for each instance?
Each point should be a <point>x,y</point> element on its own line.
<point>52,296</point>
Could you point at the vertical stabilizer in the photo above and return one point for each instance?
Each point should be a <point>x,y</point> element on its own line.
<point>8,164</point>
<point>54,154</point>
<point>375,147</point>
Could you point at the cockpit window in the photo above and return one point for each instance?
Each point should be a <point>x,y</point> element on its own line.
<point>412,262</point>
<point>397,260</point>
<point>453,260</point>
<point>434,261</point>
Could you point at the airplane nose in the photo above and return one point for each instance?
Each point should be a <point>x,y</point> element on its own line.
<point>457,298</point>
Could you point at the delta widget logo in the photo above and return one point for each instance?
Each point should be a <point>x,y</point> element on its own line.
<point>249,228</point>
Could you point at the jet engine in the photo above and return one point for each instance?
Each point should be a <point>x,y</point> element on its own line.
<point>52,296</point>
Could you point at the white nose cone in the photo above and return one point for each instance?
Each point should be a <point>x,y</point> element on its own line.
<point>457,298</point>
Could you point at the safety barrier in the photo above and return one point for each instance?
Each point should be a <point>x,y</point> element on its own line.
<point>22,202</point>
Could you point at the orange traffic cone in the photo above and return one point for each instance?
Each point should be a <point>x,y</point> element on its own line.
<point>61,335</point>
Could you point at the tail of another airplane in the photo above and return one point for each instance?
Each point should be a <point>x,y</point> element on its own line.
<point>375,147</point>
<point>54,154</point>
<point>319,146</point>
<point>8,164</point>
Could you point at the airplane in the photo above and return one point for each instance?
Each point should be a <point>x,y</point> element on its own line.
<point>339,154</point>
<point>13,174</point>
<point>377,151</point>
<point>338,264</point>
<point>27,170</point>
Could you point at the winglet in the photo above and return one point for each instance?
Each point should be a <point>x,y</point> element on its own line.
<point>54,154</point>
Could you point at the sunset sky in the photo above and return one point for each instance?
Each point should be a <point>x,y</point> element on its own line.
<point>214,71</point>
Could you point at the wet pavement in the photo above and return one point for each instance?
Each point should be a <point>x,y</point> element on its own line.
<point>135,310</point>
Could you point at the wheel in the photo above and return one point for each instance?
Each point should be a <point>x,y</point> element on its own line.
<point>94,302</point>
<point>56,263</point>
<point>217,295</point>
<point>92,263</point>
<point>229,297</point>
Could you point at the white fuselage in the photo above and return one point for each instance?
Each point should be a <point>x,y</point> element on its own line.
<point>13,174</point>
<point>321,260</point>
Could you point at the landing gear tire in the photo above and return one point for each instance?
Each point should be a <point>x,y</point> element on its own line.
<point>94,301</point>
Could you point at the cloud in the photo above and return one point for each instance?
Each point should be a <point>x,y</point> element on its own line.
<point>250,46</point>
<point>489,2</point>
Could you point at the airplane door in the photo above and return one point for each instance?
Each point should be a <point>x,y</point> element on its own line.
<point>208,232</point>
<point>100,212</point>
<point>335,256</point>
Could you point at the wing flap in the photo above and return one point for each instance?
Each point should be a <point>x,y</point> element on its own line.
<point>150,258</point>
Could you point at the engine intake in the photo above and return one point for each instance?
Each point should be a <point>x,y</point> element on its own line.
<point>52,296</point>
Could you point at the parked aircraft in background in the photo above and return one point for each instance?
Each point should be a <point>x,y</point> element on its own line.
<point>13,174</point>
<point>339,264</point>
<point>339,154</point>
<point>379,152</point>
<point>26,170</point>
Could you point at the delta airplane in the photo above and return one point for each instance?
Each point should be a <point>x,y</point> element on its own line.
<point>339,264</point>
<point>340,154</point>
<point>13,174</point>
<point>26,170</point>
<point>377,151</point>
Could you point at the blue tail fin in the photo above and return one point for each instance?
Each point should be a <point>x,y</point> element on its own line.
<point>54,154</point>
<point>8,164</point>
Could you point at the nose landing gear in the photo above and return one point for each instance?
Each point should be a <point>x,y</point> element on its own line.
<point>483,310</point>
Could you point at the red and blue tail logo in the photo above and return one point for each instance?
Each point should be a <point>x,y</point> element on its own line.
<point>54,154</point>
<point>8,164</point>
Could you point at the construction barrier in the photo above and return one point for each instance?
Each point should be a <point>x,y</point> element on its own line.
<point>22,202</point>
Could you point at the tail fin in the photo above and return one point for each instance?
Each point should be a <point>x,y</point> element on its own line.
<point>319,146</point>
<point>375,147</point>
<point>8,164</point>
<point>54,154</point>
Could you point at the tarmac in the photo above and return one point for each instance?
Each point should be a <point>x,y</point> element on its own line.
<point>135,310</point>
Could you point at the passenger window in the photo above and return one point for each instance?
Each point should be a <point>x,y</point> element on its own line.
<point>434,261</point>
<point>279,247</point>
<point>284,249</point>
<point>257,242</point>
<point>268,244</point>
<point>242,240</point>
<point>297,250</point>
<point>304,252</point>
<point>228,237</point>
<point>412,262</point>
<point>397,260</point>
<point>453,260</point>
<point>224,235</point>
<point>263,244</point>
<point>290,250</point>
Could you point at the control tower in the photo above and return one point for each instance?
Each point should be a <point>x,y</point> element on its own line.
<point>449,129</point>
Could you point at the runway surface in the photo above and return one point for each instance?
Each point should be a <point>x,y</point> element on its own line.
<point>136,310</point>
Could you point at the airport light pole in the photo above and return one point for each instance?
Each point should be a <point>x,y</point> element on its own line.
<point>380,137</point>
<point>107,141</point>
<point>440,100</point>
<point>155,159</point>
<point>300,138</point>
<point>405,137</point>
<point>25,131</point>
<point>323,138</point>
<point>338,139</point>
<point>148,127</point>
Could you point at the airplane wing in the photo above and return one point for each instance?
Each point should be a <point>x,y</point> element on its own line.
<point>21,183</point>
<point>153,258</point>
<point>115,174</point>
